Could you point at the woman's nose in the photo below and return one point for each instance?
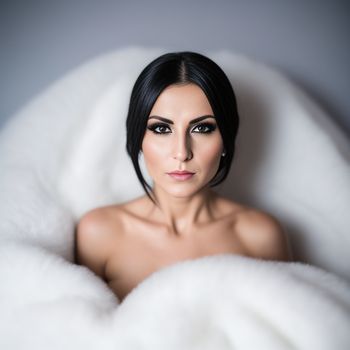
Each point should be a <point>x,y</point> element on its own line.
<point>182,148</point>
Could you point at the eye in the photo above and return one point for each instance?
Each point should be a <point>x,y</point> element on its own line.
<point>204,128</point>
<point>159,128</point>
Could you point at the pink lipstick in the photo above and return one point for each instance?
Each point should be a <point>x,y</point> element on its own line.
<point>181,175</point>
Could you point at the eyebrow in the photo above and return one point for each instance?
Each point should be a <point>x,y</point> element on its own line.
<point>193,121</point>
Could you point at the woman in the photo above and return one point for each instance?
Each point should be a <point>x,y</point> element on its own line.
<point>183,120</point>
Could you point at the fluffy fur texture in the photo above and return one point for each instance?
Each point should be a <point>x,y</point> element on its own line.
<point>64,154</point>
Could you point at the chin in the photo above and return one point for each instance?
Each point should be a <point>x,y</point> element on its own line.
<point>184,191</point>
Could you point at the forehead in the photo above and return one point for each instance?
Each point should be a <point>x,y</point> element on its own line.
<point>182,100</point>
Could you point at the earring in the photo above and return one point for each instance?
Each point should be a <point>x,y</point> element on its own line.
<point>223,154</point>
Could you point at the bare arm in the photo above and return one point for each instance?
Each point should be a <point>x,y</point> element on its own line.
<point>91,243</point>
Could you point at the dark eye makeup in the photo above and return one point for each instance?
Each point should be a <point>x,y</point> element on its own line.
<point>159,128</point>
<point>163,128</point>
<point>204,128</point>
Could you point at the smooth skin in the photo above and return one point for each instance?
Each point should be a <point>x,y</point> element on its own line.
<point>125,243</point>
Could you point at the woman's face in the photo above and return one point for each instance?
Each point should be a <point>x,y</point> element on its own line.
<point>182,145</point>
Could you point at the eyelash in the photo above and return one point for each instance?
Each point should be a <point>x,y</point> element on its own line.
<point>209,128</point>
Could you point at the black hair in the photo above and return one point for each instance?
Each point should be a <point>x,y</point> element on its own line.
<point>182,68</point>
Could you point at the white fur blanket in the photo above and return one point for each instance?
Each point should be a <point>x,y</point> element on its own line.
<point>59,157</point>
<point>216,302</point>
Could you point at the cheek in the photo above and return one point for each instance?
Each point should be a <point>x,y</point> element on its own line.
<point>153,153</point>
<point>208,152</point>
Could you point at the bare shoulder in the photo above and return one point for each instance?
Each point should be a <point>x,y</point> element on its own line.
<point>97,222</point>
<point>106,217</point>
<point>264,235</point>
<point>97,227</point>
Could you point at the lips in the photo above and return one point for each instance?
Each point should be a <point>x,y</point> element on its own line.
<point>181,175</point>
<point>181,172</point>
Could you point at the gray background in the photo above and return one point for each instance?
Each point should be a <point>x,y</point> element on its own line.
<point>308,40</point>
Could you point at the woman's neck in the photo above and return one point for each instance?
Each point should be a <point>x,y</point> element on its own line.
<point>181,214</point>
